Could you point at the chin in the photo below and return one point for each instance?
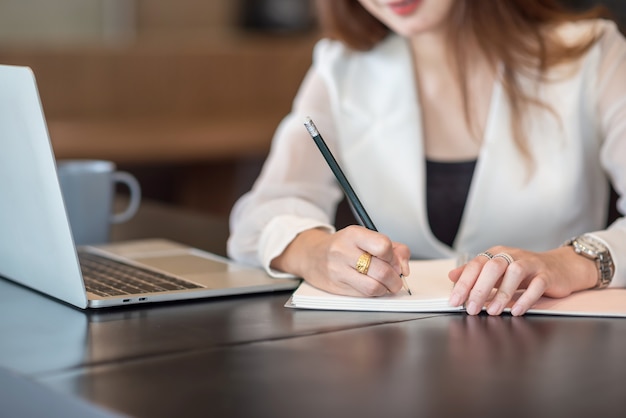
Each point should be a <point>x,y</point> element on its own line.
<point>409,29</point>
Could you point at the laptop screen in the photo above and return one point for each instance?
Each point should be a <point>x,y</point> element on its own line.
<point>37,249</point>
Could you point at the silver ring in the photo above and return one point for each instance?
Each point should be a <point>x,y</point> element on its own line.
<point>485,254</point>
<point>506,257</point>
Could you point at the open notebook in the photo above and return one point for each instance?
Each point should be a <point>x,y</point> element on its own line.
<point>431,289</point>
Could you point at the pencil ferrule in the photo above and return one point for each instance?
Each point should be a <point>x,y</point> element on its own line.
<point>310,126</point>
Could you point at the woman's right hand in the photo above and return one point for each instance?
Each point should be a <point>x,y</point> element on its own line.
<point>328,261</point>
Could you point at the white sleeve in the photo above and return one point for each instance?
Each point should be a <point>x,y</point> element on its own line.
<point>611,91</point>
<point>296,189</point>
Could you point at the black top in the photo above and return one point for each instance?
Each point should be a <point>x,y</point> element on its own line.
<point>447,186</point>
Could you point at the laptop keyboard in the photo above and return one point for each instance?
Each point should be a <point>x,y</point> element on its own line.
<point>104,276</point>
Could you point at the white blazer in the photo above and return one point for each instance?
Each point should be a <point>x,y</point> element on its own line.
<point>366,106</point>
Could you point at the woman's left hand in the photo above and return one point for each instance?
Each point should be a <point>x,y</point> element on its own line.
<point>555,273</point>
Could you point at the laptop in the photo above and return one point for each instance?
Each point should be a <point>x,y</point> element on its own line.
<point>36,246</point>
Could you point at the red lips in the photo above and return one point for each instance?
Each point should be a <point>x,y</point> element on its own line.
<point>405,7</point>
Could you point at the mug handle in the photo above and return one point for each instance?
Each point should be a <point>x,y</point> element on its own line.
<point>135,196</point>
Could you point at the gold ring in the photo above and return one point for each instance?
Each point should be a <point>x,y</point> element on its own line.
<point>363,263</point>
<point>506,257</point>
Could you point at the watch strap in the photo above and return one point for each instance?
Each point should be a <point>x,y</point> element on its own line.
<point>595,250</point>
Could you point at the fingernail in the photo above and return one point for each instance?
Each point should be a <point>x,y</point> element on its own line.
<point>494,308</point>
<point>517,310</point>
<point>472,308</point>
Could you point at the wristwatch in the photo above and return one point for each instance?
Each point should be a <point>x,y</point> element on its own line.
<point>593,249</point>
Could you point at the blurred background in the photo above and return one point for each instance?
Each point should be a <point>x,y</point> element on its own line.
<point>185,94</point>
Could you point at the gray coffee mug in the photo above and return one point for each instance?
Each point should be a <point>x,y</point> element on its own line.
<point>88,188</point>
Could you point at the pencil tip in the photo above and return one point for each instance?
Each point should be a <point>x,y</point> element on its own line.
<point>405,285</point>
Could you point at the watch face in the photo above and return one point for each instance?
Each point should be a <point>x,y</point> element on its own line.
<point>591,248</point>
<point>591,245</point>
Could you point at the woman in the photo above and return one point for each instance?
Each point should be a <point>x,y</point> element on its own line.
<point>465,127</point>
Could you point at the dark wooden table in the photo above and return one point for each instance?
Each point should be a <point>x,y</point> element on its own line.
<point>250,356</point>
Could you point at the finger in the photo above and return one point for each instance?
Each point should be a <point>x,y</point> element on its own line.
<point>385,279</point>
<point>455,273</point>
<point>356,284</point>
<point>385,274</point>
<point>368,286</point>
<point>513,277</point>
<point>401,259</point>
<point>386,265</point>
<point>379,245</point>
<point>531,295</point>
<point>466,280</point>
<point>353,279</point>
<point>492,272</point>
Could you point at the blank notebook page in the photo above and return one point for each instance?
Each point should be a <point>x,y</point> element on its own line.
<point>429,283</point>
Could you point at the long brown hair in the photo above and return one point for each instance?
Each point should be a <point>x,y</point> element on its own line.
<point>510,33</point>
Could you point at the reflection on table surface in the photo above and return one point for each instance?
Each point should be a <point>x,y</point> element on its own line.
<point>42,335</point>
<point>448,365</point>
<point>251,356</point>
